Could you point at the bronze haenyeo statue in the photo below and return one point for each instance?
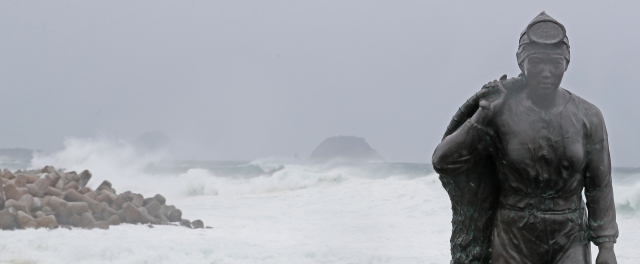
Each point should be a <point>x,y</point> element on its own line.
<point>516,158</point>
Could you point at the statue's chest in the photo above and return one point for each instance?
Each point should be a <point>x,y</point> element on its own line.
<point>541,143</point>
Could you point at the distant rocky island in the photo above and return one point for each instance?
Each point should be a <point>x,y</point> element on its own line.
<point>16,153</point>
<point>152,141</point>
<point>345,149</point>
<point>16,158</point>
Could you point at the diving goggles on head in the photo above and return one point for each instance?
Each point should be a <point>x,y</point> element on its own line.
<point>545,31</point>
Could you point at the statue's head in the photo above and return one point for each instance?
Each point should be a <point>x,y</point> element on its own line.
<point>543,54</point>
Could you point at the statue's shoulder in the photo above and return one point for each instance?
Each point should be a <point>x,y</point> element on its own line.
<point>586,108</point>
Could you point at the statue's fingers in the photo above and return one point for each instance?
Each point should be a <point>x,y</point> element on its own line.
<point>501,87</point>
<point>483,93</point>
<point>489,85</point>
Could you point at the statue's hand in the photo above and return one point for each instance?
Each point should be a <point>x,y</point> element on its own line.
<point>606,255</point>
<point>492,97</point>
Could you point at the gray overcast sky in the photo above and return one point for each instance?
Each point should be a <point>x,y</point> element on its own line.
<point>250,79</point>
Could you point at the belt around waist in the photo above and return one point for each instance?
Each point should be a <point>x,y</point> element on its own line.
<point>542,205</point>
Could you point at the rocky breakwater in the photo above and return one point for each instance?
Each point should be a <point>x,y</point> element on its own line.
<point>50,198</point>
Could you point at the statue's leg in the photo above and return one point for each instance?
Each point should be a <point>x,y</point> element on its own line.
<point>570,243</point>
<point>575,252</point>
<point>519,238</point>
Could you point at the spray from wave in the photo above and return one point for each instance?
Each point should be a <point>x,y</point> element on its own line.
<point>103,156</point>
<point>128,168</point>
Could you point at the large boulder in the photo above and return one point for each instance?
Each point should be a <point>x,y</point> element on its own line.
<point>8,218</point>
<point>46,221</point>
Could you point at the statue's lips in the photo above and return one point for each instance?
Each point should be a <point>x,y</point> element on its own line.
<point>545,86</point>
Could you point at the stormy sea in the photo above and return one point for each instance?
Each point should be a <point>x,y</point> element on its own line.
<point>272,210</point>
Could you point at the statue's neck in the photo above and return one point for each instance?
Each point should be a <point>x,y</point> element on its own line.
<point>546,101</point>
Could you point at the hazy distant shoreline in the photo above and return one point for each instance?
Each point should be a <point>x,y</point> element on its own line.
<point>20,158</point>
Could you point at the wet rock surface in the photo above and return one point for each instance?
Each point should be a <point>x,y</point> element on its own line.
<point>50,198</point>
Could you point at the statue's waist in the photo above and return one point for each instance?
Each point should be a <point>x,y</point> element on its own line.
<point>541,204</point>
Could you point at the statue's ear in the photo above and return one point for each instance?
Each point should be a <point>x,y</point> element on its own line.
<point>522,67</point>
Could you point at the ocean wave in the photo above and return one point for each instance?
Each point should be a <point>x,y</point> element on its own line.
<point>627,199</point>
<point>290,177</point>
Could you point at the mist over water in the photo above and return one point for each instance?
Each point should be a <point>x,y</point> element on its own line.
<point>241,80</point>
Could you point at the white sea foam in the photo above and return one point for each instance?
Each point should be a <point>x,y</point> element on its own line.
<point>293,213</point>
<point>628,199</point>
<point>290,177</point>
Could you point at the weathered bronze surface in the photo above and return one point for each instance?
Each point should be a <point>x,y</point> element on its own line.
<point>515,160</point>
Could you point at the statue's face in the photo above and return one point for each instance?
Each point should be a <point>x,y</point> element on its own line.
<point>544,72</point>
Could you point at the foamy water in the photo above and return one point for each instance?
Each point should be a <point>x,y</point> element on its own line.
<point>295,213</point>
